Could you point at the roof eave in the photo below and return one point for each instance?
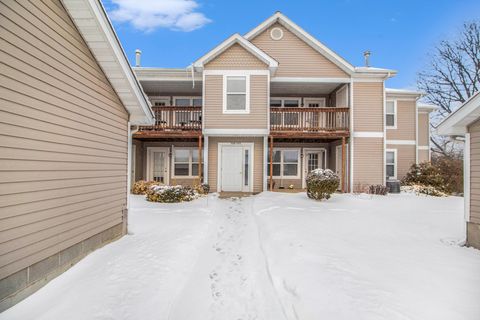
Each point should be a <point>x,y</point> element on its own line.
<point>91,20</point>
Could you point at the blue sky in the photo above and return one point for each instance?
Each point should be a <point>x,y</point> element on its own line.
<point>400,33</point>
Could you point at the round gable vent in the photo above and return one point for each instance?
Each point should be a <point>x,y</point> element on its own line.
<point>276,33</point>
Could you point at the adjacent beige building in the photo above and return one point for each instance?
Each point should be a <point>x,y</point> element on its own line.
<point>260,111</point>
<point>465,122</point>
<point>67,99</point>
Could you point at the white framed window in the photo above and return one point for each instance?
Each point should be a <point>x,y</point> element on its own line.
<point>187,101</point>
<point>160,101</point>
<point>286,163</point>
<point>391,114</point>
<point>185,163</point>
<point>315,102</point>
<point>293,102</point>
<point>391,163</point>
<point>236,94</point>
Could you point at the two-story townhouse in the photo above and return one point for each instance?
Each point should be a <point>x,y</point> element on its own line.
<point>260,111</point>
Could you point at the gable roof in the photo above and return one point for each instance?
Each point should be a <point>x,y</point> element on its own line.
<point>247,45</point>
<point>96,29</point>
<point>457,122</point>
<point>305,36</point>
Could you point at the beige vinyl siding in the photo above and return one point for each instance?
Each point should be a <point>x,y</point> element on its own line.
<point>406,111</point>
<point>405,158</point>
<point>215,118</point>
<point>423,155</point>
<point>295,57</point>
<point>368,164</point>
<point>258,160</point>
<point>63,137</point>
<point>474,130</point>
<point>423,129</point>
<point>236,57</point>
<point>368,106</point>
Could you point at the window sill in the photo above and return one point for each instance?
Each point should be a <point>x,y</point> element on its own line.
<point>236,111</point>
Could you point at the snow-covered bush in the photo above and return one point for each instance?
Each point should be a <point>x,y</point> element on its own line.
<point>419,189</point>
<point>202,188</point>
<point>424,174</point>
<point>171,194</point>
<point>142,186</point>
<point>378,189</point>
<point>321,183</point>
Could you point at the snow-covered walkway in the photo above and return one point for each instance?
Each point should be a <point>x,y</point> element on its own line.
<point>275,256</point>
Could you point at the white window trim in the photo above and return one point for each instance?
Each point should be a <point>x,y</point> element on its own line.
<point>247,94</point>
<point>395,165</point>
<point>186,97</point>
<point>150,150</point>
<point>299,168</point>
<point>395,114</point>
<point>190,163</point>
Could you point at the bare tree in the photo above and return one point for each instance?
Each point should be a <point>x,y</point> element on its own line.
<point>453,75</point>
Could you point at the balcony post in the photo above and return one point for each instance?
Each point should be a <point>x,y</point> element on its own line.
<point>200,159</point>
<point>271,163</point>
<point>343,164</point>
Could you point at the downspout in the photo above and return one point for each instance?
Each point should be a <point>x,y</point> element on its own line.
<point>131,132</point>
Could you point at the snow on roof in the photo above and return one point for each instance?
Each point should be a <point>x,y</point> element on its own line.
<point>403,91</point>
<point>457,122</point>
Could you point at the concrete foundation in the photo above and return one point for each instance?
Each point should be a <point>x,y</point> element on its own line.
<point>25,282</point>
<point>473,235</point>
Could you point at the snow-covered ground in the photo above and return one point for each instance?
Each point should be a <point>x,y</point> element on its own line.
<point>275,256</point>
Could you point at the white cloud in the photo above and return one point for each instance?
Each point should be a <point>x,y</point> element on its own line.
<point>148,15</point>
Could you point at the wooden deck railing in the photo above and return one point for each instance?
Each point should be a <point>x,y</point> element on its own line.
<point>176,119</point>
<point>309,119</point>
<point>312,120</point>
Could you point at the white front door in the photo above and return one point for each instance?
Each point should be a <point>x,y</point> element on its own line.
<point>313,159</point>
<point>235,167</point>
<point>157,165</point>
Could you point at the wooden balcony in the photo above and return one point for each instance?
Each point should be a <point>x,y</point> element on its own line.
<point>173,121</point>
<point>310,121</point>
<point>187,121</point>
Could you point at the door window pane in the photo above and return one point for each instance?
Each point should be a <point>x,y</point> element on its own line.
<point>312,161</point>
<point>245,171</point>
<point>159,167</point>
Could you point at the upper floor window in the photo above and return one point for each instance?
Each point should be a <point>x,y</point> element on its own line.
<point>285,102</point>
<point>188,101</point>
<point>391,114</point>
<point>391,164</point>
<point>236,94</point>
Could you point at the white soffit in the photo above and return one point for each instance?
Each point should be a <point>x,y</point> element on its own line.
<point>96,29</point>
<point>457,122</point>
